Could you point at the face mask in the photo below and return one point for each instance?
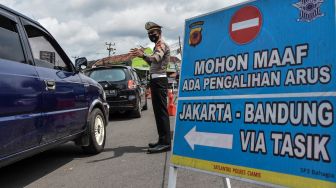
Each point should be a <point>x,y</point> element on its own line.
<point>154,38</point>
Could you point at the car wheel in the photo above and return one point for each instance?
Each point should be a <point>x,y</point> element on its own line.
<point>97,132</point>
<point>137,111</point>
<point>146,106</point>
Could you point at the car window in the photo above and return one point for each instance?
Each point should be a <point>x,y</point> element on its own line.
<point>44,52</point>
<point>10,48</point>
<point>136,77</point>
<point>111,75</point>
<point>132,75</point>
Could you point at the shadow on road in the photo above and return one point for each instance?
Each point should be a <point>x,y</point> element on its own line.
<point>24,172</point>
<point>121,116</point>
<point>120,151</point>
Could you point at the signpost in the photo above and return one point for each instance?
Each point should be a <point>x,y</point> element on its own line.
<point>257,94</point>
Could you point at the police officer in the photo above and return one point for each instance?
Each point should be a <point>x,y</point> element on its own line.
<point>158,84</point>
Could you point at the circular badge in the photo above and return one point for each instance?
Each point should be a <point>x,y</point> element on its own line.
<point>245,24</point>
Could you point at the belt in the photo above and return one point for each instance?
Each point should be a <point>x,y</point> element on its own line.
<point>158,75</point>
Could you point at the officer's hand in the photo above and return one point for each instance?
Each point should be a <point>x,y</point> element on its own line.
<point>135,52</point>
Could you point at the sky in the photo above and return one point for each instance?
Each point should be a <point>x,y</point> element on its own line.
<point>82,27</point>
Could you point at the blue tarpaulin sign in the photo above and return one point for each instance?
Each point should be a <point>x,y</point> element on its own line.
<point>257,93</point>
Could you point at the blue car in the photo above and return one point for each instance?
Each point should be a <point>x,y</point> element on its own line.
<point>44,99</point>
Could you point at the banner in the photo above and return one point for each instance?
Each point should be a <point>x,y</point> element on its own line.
<point>257,94</point>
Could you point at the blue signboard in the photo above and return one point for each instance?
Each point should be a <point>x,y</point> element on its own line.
<point>257,93</point>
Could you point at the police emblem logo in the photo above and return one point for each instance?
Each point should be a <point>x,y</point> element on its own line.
<point>309,10</point>
<point>195,36</point>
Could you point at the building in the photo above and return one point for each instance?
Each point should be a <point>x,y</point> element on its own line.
<point>112,60</point>
<point>173,67</point>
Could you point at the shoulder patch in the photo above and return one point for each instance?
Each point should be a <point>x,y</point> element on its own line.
<point>160,46</point>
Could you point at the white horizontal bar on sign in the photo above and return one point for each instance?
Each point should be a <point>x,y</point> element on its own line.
<point>262,96</point>
<point>245,24</point>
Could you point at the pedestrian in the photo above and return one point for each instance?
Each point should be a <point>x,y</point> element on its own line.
<point>158,84</point>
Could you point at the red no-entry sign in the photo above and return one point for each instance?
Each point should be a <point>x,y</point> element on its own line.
<point>245,24</point>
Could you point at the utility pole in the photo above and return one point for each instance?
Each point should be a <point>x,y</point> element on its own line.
<point>180,46</point>
<point>110,48</point>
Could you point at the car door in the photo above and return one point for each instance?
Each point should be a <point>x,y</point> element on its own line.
<point>20,91</point>
<point>64,105</point>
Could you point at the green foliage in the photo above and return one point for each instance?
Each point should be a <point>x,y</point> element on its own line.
<point>139,63</point>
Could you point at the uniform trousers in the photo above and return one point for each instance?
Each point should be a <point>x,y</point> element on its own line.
<point>158,88</point>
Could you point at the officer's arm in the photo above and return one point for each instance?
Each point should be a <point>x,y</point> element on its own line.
<point>157,56</point>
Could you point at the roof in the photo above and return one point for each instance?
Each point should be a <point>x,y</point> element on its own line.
<point>114,59</point>
<point>108,67</point>
<point>125,58</point>
<point>90,63</point>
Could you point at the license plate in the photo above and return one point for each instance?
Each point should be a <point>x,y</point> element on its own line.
<point>111,92</point>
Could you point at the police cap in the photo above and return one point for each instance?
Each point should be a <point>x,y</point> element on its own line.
<point>150,26</point>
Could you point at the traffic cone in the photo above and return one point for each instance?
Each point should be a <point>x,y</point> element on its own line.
<point>171,104</point>
<point>148,93</point>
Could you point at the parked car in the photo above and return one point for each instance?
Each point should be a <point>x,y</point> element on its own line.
<point>44,100</point>
<point>124,90</point>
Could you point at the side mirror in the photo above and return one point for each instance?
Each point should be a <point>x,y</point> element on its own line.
<point>81,63</point>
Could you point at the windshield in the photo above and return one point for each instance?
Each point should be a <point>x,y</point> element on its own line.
<point>111,75</point>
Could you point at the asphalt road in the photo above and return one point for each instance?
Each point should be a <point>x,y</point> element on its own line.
<point>123,164</point>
